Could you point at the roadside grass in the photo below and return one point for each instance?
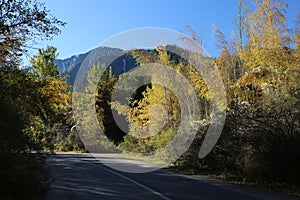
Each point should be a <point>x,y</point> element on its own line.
<point>237,179</point>
<point>284,188</point>
<point>153,159</point>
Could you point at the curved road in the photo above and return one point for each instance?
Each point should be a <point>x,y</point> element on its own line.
<point>82,176</point>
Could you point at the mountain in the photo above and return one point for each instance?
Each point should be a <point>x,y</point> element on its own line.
<point>118,59</point>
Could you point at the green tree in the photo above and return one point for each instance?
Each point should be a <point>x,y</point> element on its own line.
<point>43,62</point>
<point>93,111</point>
<point>103,94</point>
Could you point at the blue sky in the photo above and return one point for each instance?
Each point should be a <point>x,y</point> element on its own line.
<point>92,21</point>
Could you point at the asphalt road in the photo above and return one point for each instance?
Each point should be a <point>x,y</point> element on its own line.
<point>82,176</point>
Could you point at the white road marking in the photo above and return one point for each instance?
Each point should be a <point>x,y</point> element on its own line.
<point>130,180</point>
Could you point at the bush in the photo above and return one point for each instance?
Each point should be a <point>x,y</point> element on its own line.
<point>251,147</point>
<point>150,144</point>
<point>22,176</point>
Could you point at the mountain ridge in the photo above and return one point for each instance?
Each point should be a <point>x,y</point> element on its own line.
<point>123,62</point>
<point>120,60</point>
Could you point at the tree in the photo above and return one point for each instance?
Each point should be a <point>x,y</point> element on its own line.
<point>265,113</point>
<point>154,112</point>
<point>22,21</point>
<point>93,113</point>
<point>25,107</point>
<point>267,57</point>
<point>105,87</point>
<point>43,62</point>
<point>260,69</point>
<point>297,33</point>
